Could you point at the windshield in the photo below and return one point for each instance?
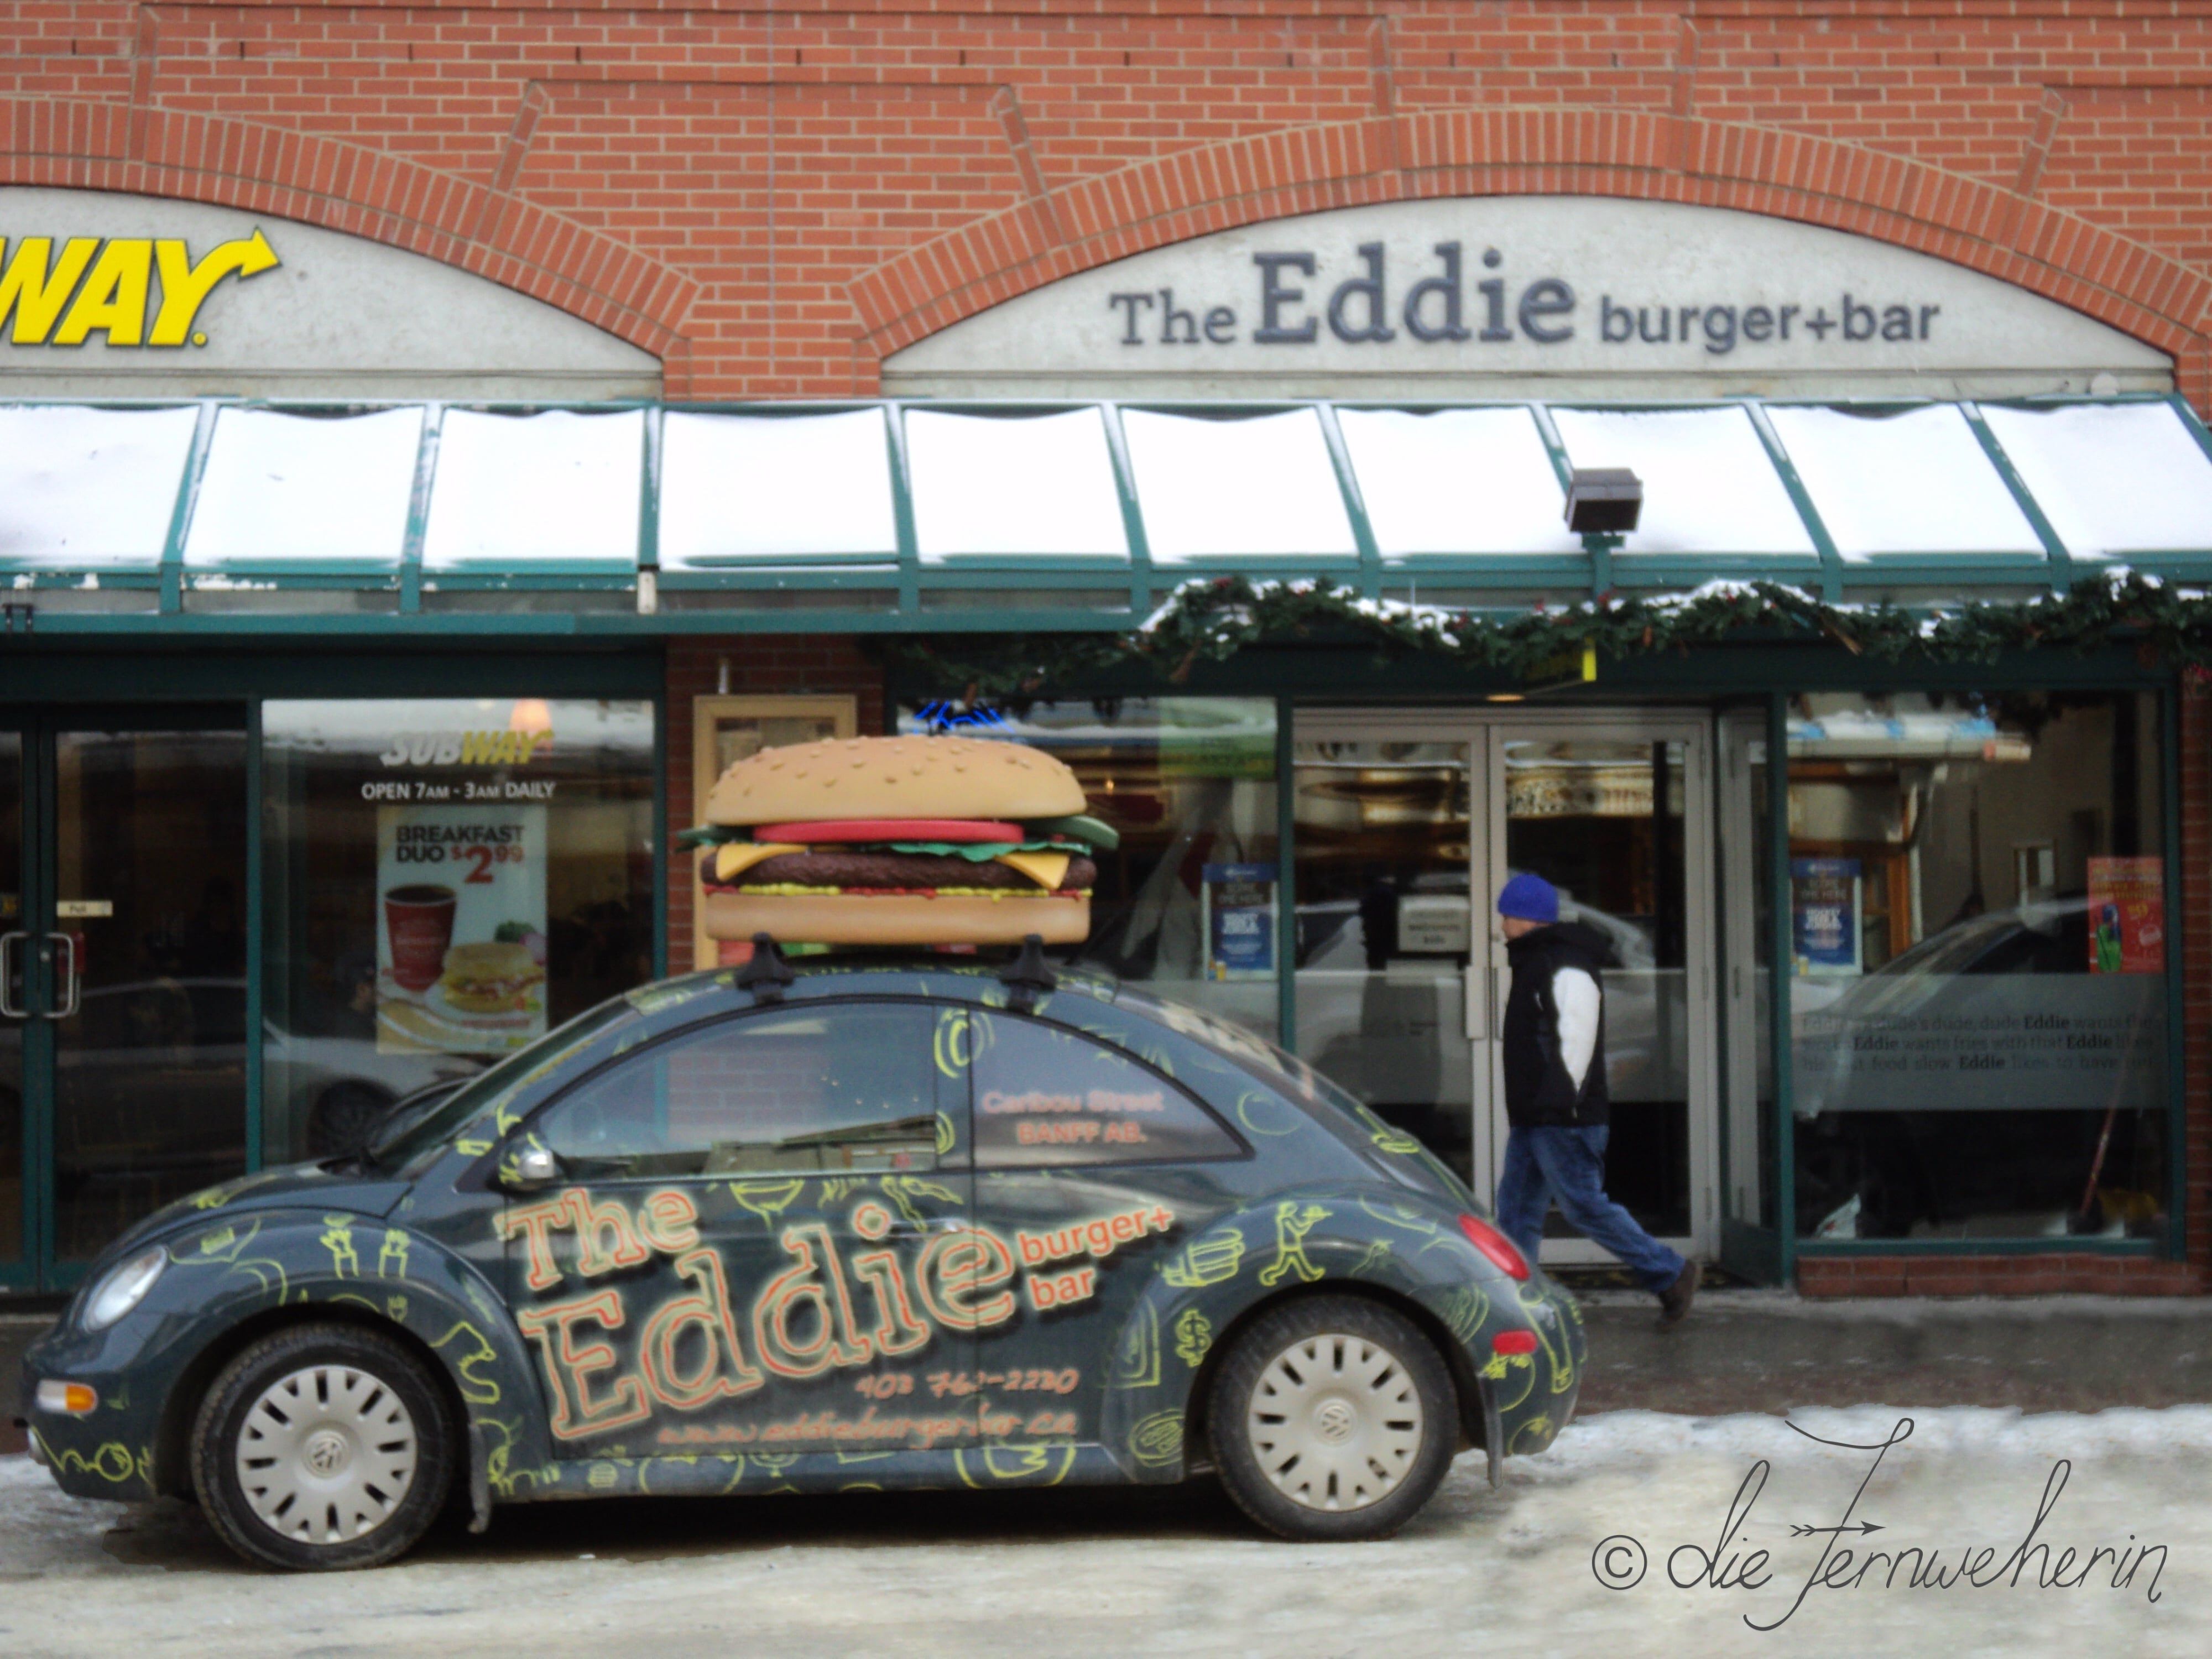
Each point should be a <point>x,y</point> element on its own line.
<point>405,1142</point>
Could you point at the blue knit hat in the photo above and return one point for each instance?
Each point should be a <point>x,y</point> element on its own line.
<point>1530,898</point>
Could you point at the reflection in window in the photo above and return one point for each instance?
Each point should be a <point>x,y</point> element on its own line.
<point>806,1091</point>
<point>1603,823</point>
<point>1384,929</point>
<point>447,880</point>
<point>1187,903</point>
<point>1047,1097</point>
<point>1979,952</point>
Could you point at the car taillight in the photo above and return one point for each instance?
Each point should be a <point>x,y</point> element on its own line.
<point>1513,1342</point>
<point>1494,1244</point>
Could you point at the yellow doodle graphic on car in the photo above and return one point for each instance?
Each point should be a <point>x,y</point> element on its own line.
<point>1214,1260</point>
<point>1136,1363</point>
<point>337,1239</point>
<point>1157,1440</point>
<point>992,1465</point>
<point>391,1259</point>
<point>1510,1368</point>
<point>1293,1221</point>
<point>225,1246</point>
<point>475,1390</point>
<point>1374,1261</point>
<point>1193,1335</point>
<point>1465,1309</point>
<point>767,1200</point>
<point>1394,1214</point>
<point>1264,1114</point>
<point>1546,1318</point>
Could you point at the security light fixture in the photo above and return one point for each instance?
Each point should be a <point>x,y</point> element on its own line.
<point>1603,500</point>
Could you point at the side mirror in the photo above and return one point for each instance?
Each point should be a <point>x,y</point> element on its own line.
<point>535,1167</point>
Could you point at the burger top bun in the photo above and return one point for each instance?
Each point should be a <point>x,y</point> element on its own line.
<point>895,778</point>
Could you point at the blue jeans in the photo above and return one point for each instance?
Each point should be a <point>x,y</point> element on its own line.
<point>1569,1165</point>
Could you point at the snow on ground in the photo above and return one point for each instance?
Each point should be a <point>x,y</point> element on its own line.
<point>1513,1572</point>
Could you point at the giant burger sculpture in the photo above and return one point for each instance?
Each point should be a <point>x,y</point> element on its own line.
<point>900,841</point>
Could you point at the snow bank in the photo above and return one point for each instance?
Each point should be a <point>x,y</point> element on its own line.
<point>1979,1432</point>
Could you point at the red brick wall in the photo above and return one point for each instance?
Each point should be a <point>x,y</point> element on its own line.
<point>772,198</point>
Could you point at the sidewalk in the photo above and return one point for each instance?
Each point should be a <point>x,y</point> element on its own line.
<point>1771,1351</point>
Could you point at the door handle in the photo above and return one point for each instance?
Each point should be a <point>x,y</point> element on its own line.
<point>8,1007</point>
<point>70,985</point>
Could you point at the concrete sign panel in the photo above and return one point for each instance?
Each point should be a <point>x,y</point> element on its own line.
<point>105,294</point>
<point>1538,295</point>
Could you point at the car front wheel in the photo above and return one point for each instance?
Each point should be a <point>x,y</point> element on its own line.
<point>1334,1418</point>
<point>322,1448</point>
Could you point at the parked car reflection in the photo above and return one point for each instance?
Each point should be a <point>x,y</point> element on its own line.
<point>151,1096</point>
<point>1999,1018</point>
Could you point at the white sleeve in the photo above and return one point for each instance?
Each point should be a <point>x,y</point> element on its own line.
<point>1575,995</point>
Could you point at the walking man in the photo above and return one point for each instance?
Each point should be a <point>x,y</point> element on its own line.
<point>1553,1044</point>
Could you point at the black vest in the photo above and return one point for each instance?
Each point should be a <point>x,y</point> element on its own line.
<point>1539,1092</point>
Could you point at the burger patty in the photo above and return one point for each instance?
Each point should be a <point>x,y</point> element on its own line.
<point>883,868</point>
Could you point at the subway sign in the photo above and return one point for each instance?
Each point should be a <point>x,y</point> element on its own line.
<point>125,290</point>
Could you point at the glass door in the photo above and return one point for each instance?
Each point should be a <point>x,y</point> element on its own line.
<point>125,971</point>
<point>1407,823</point>
<point>1614,812</point>
<point>17,1245</point>
<point>1383,827</point>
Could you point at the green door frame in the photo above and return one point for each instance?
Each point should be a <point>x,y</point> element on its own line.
<point>39,728</point>
<point>36,1051</point>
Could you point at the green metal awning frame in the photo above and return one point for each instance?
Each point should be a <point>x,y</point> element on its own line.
<point>282,596</point>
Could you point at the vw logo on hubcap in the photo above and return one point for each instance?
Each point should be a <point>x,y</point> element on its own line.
<point>1334,1420</point>
<point>326,1452</point>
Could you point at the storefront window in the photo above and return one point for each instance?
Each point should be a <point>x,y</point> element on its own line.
<point>1187,902</point>
<point>446,880</point>
<point>1979,957</point>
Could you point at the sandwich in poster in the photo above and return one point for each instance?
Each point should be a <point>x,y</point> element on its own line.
<point>461,949</point>
<point>900,841</point>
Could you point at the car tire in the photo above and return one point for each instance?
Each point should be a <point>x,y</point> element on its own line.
<point>1333,1419</point>
<point>322,1448</point>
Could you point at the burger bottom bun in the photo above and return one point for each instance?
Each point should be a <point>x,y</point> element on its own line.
<point>895,918</point>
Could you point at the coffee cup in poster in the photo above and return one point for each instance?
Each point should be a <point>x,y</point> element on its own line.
<point>463,955</point>
<point>418,925</point>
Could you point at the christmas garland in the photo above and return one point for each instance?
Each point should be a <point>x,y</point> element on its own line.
<point>1213,619</point>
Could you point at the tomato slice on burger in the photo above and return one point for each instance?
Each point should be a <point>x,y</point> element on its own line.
<point>872,829</point>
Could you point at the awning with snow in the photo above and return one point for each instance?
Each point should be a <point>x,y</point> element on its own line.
<point>889,515</point>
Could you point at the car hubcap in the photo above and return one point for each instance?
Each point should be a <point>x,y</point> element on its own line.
<point>326,1455</point>
<point>1335,1422</point>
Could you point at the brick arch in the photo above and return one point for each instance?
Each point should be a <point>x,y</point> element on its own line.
<point>1411,156</point>
<point>347,187</point>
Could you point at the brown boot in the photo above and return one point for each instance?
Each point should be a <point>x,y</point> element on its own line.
<point>1674,1301</point>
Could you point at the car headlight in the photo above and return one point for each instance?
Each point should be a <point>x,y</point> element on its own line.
<point>122,1288</point>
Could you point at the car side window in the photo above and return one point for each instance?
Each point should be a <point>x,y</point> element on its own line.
<point>1049,1098</point>
<point>801,1091</point>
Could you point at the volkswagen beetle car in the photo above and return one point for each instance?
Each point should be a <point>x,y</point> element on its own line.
<point>834,1224</point>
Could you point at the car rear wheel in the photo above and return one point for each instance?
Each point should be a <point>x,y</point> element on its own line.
<point>322,1448</point>
<point>1334,1418</point>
